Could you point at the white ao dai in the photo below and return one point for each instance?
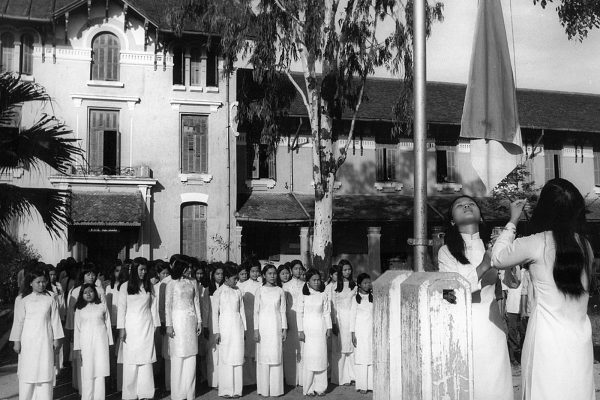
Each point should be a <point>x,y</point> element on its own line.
<point>230,322</point>
<point>269,320</point>
<point>182,312</point>
<point>314,319</point>
<point>362,326</point>
<point>92,336</point>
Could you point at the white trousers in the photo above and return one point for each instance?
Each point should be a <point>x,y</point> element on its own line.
<point>35,391</point>
<point>364,376</point>
<point>314,382</point>
<point>75,369</point>
<point>138,382</point>
<point>231,380</point>
<point>183,378</point>
<point>269,379</point>
<point>249,371</point>
<point>212,363</point>
<point>93,389</point>
<point>342,368</point>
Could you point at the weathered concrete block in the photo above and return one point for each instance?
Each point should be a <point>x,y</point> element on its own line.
<point>436,357</point>
<point>387,335</point>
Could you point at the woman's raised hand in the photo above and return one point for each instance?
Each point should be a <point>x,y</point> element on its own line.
<point>516,209</point>
<point>170,332</point>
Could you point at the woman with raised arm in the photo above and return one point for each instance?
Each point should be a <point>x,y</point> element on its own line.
<point>557,359</point>
<point>465,253</point>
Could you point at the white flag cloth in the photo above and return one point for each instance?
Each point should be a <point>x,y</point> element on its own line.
<point>490,116</point>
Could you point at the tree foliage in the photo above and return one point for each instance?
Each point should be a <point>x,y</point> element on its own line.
<point>578,17</point>
<point>44,144</point>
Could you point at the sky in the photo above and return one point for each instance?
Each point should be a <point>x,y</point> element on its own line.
<point>545,57</point>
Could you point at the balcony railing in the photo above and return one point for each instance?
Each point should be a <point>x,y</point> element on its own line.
<point>141,171</point>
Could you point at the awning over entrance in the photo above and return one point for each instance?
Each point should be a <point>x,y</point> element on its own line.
<point>299,208</point>
<point>107,209</point>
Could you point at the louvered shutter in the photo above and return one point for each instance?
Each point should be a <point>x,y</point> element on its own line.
<point>193,230</point>
<point>271,164</point>
<point>255,161</point>
<point>99,122</point>
<point>195,67</point>
<point>202,151</point>
<point>391,164</point>
<point>26,55</point>
<point>194,144</point>
<point>380,164</point>
<point>451,166</point>
<point>7,54</point>
<point>597,168</point>
<point>106,53</point>
<point>549,164</point>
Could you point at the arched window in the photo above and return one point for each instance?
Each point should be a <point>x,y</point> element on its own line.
<point>105,61</point>
<point>178,66</point>
<point>193,230</point>
<point>195,66</point>
<point>7,53</point>
<point>26,57</point>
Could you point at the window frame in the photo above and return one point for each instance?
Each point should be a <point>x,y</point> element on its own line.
<point>596,167</point>
<point>256,167</point>
<point>90,153</point>
<point>204,157</point>
<point>451,165</point>
<point>203,231</point>
<point>7,51</point>
<point>388,155</point>
<point>552,163</point>
<point>96,53</point>
<point>26,57</point>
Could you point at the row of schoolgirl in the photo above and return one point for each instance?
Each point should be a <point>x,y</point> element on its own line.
<point>260,324</point>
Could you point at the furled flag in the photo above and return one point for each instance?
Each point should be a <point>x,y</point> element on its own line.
<point>490,115</point>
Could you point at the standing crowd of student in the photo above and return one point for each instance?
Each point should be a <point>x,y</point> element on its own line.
<point>184,321</point>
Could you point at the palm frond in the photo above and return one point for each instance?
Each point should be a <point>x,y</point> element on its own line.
<point>52,205</point>
<point>14,91</point>
<point>45,142</point>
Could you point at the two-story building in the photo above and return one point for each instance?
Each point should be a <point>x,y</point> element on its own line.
<point>152,113</point>
<point>374,189</point>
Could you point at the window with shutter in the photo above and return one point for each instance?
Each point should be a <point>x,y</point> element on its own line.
<point>7,53</point>
<point>194,144</point>
<point>390,158</point>
<point>597,168</point>
<point>178,66</point>
<point>193,230</point>
<point>105,57</point>
<point>552,164</point>
<point>380,161</point>
<point>26,59</point>
<point>451,167</point>
<point>103,148</point>
<point>195,67</point>
<point>212,72</point>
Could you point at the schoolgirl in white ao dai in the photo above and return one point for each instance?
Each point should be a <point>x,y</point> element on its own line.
<point>269,320</point>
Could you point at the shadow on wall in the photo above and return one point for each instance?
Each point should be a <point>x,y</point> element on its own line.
<point>357,177</point>
<point>154,239</point>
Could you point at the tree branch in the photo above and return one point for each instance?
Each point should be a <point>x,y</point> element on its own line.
<point>304,100</point>
<point>285,10</point>
<point>344,152</point>
<point>294,144</point>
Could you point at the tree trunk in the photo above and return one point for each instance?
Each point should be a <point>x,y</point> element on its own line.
<point>323,229</point>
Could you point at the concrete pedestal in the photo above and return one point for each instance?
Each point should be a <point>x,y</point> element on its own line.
<point>387,335</point>
<point>437,358</point>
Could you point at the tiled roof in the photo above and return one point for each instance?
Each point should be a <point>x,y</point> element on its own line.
<point>46,10</point>
<point>107,209</point>
<point>539,109</point>
<point>293,208</point>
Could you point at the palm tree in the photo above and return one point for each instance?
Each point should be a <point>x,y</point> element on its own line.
<point>46,143</point>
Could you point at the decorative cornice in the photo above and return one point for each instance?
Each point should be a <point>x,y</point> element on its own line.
<point>78,98</point>
<point>177,103</point>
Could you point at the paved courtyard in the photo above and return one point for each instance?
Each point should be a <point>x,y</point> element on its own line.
<point>63,391</point>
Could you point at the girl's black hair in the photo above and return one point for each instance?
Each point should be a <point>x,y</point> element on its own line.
<point>123,276</point>
<point>178,268</point>
<point>281,268</point>
<point>454,240</point>
<point>294,262</point>
<point>561,210</point>
<point>359,279</point>
<point>81,302</point>
<point>86,269</point>
<point>212,287</point>
<point>264,274</point>
<point>30,276</point>
<point>203,266</point>
<point>112,278</point>
<point>309,274</point>
<point>340,277</point>
<point>229,271</point>
<point>134,283</point>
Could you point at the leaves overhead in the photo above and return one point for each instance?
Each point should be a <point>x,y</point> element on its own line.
<point>578,17</point>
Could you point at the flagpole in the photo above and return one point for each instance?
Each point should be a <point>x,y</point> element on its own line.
<point>420,137</point>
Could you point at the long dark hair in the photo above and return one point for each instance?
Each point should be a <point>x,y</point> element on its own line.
<point>112,278</point>
<point>30,276</point>
<point>205,282</point>
<point>134,283</point>
<point>340,277</point>
<point>86,269</point>
<point>561,210</point>
<point>359,279</point>
<point>282,267</point>
<point>454,241</point>
<point>264,274</point>
<point>309,274</point>
<point>123,276</point>
<point>81,302</point>
<point>212,286</point>
<point>178,268</point>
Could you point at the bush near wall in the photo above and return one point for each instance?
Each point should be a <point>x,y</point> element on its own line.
<point>13,257</point>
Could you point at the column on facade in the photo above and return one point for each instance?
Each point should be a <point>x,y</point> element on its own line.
<point>305,245</point>
<point>145,235</point>
<point>236,251</point>
<point>374,242</point>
